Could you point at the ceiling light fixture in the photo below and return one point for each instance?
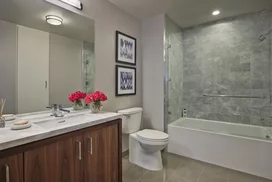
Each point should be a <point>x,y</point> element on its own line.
<point>216,12</point>
<point>76,3</point>
<point>53,20</point>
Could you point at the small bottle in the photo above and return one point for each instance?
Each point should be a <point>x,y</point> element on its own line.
<point>184,113</point>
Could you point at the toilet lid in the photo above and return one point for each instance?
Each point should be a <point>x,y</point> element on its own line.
<point>153,135</point>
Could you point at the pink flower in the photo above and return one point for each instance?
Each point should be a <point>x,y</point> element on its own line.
<point>77,96</point>
<point>95,97</point>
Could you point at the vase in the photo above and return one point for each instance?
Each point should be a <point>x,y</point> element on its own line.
<point>96,107</point>
<point>77,105</point>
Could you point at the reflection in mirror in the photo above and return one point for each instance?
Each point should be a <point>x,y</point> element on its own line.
<point>41,63</point>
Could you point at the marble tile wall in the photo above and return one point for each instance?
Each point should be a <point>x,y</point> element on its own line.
<point>88,69</point>
<point>224,58</point>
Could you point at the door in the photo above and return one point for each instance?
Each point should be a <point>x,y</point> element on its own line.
<point>101,154</point>
<point>33,69</point>
<point>60,161</point>
<point>11,169</point>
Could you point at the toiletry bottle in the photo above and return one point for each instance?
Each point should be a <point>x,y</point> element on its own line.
<point>184,113</point>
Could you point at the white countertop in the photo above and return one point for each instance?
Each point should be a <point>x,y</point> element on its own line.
<point>76,120</point>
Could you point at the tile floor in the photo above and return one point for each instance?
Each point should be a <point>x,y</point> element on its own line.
<point>181,169</point>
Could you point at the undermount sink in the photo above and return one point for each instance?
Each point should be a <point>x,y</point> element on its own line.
<point>61,121</point>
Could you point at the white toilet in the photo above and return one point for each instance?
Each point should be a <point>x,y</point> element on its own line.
<point>144,146</point>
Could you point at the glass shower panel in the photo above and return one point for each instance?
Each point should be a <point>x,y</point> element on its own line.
<point>174,59</point>
<point>223,58</point>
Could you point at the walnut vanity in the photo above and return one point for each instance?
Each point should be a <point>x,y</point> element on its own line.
<point>77,148</point>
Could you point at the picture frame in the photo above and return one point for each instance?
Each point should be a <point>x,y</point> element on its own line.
<point>126,49</point>
<point>125,80</point>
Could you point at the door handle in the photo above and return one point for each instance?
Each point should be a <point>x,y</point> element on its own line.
<point>91,145</point>
<point>7,173</point>
<point>45,84</point>
<point>79,150</point>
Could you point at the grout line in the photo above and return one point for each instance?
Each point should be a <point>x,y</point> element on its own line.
<point>228,176</point>
<point>200,174</point>
<point>142,175</point>
<point>174,171</point>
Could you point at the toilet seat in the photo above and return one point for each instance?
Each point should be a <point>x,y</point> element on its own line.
<point>152,136</point>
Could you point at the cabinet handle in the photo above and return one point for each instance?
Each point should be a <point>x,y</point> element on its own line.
<point>91,145</point>
<point>79,150</point>
<point>7,173</point>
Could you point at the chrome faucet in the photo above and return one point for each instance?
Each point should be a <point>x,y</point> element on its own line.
<point>64,110</point>
<point>2,122</point>
<point>56,110</point>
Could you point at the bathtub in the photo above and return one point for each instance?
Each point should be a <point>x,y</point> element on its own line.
<point>240,147</point>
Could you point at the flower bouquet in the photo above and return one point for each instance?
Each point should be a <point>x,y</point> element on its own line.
<point>76,98</point>
<point>95,99</point>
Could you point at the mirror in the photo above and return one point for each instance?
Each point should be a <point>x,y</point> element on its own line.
<point>40,63</point>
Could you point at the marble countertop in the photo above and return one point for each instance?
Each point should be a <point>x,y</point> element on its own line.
<point>46,126</point>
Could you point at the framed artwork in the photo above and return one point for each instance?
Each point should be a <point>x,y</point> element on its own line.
<point>125,49</point>
<point>125,81</point>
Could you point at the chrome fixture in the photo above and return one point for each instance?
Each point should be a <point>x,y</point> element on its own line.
<point>237,96</point>
<point>2,122</point>
<point>7,173</point>
<point>56,110</point>
<point>64,110</point>
<point>79,150</point>
<point>263,37</point>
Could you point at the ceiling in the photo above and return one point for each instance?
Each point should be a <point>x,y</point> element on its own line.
<point>187,13</point>
<point>31,13</point>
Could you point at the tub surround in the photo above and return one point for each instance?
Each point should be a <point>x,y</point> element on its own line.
<point>222,58</point>
<point>77,121</point>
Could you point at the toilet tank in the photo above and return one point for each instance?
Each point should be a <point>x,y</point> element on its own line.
<point>132,119</point>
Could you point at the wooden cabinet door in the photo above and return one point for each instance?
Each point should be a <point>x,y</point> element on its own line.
<point>60,161</point>
<point>11,169</point>
<point>101,154</point>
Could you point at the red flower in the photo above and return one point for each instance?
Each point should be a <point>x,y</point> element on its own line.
<point>95,97</point>
<point>77,96</point>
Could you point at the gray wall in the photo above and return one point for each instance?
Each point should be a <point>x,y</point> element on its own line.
<point>8,57</point>
<point>65,68</point>
<point>109,18</point>
<point>226,58</point>
<point>153,72</point>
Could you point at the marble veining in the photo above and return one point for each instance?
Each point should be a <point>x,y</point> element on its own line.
<point>76,121</point>
<point>223,58</point>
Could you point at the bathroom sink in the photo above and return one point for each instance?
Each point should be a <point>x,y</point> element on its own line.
<point>61,121</point>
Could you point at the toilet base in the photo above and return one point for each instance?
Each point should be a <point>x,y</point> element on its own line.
<point>137,155</point>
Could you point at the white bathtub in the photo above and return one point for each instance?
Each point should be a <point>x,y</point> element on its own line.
<point>240,147</point>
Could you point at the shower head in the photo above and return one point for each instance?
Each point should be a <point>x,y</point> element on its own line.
<point>262,37</point>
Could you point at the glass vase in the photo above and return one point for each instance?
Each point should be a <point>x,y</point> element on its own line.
<point>77,105</point>
<point>96,107</point>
